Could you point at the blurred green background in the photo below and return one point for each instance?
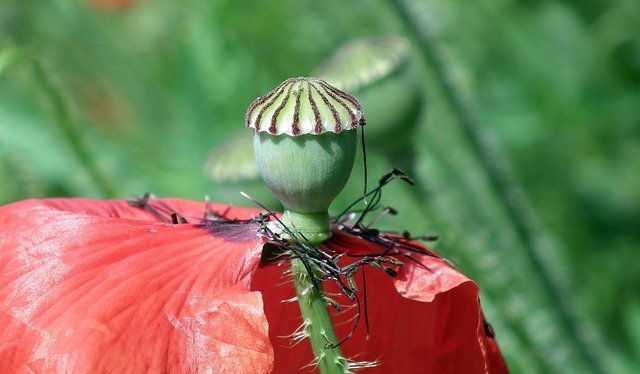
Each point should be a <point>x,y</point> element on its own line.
<point>525,146</point>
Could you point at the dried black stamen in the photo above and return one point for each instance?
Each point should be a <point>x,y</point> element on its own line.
<point>376,193</point>
<point>364,296</point>
<point>177,219</point>
<point>322,262</point>
<point>157,208</point>
<point>364,162</point>
<point>488,329</point>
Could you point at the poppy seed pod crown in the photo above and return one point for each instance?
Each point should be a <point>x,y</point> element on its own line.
<point>304,143</point>
<point>300,106</point>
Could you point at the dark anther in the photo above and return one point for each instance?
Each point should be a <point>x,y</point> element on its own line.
<point>408,180</point>
<point>372,232</point>
<point>488,330</point>
<point>385,179</point>
<point>391,272</point>
<point>139,202</point>
<point>427,238</point>
<point>400,174</point>
<point>177,219</point>
<point>271,252</point>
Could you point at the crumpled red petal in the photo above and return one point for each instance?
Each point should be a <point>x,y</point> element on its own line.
<point>426,320</point>
<point>98,286</point>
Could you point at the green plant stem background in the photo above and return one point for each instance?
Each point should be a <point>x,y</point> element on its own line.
<point>526,152</point>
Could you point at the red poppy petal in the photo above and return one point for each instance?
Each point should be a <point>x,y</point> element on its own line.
<point>82,289</point>
<point>427,320</point>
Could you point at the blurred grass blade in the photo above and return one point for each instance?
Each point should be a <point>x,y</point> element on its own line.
<point>14,58</point>
<point>497,204</point>
<point>8,58</point>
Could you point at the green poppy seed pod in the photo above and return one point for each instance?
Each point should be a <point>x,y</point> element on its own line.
<point>305,144</point>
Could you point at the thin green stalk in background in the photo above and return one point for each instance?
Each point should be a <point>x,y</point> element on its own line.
<point>61,116</point>
<point>500,182</point>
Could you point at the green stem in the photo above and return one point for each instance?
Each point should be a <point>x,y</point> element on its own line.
<point>313,226</point>
<point>317,321</point>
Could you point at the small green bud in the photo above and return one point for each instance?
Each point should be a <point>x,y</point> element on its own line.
<point>379,71</point>
<point>363,62</point>
<point>231,167</point>
<point>229,163</point>
<point>305,144</point>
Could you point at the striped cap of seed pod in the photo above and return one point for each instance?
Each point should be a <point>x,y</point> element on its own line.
<point>302,106</point>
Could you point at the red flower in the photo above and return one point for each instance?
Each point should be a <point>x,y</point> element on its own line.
<point>100,286</point>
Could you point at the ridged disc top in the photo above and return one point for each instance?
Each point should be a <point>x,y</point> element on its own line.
<point>302,106</point>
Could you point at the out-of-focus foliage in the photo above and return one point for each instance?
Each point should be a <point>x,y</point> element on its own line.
<point>526,149</point>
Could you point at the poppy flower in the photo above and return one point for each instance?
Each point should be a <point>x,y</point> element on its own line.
<point>104,286</point>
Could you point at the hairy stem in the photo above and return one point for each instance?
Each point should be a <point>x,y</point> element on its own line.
<point>317,321</point>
